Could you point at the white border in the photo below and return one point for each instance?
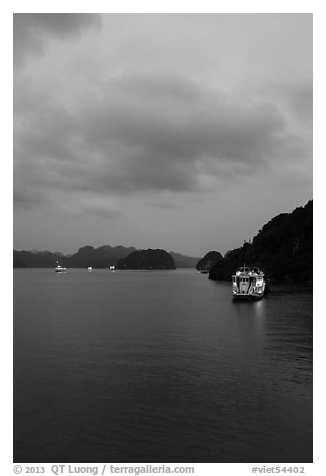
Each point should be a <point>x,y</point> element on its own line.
<point>315,7</point>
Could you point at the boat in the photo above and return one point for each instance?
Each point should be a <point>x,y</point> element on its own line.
<point>112,268</point>
<point>59,268</point>
<point>248,283</point>
<point>90,268</point>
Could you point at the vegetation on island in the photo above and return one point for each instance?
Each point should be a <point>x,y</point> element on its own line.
<point>283,249</point>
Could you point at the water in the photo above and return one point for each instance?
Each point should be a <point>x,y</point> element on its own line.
<point>155,366</point>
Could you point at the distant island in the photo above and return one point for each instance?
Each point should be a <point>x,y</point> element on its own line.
<point>147,259</point>
<point>283,248</point>
<point>101,257</point>
<point>208,261</point>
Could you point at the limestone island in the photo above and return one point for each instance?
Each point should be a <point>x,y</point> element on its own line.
<point>212,257</point>
<point>147,259</point>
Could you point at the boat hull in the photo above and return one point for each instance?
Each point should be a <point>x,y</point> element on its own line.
<point>247,297</point>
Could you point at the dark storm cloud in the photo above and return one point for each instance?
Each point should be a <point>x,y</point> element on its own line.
<point>148,132</point>
<point>32,29</point>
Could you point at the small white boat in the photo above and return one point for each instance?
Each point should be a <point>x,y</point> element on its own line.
<point>248,283</point>
<point>90,268</point>
<point>59,268</point>
<point>112,268</point>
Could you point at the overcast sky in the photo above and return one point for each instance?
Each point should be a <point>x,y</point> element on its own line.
<point>186,132</point>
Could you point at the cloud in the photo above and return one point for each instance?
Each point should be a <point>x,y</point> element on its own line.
<point>26,198</point>
<point>150,132</point>
<point>32,30</point>
<point>128,125</point>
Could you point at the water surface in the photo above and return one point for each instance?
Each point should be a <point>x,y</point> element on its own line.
<point>158,366</point>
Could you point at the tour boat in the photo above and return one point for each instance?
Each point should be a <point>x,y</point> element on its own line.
<point>248,283</point>
<point>59,268</point>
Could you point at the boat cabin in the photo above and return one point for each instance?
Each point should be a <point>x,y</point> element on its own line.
<point>248,280</point>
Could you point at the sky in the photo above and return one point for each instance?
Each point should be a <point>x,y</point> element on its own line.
<point>186,132</point>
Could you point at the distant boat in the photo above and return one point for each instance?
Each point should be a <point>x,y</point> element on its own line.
<point>248,283</point>
<point>90,268</point>
<point>59,268</point>
<point>112,268</point>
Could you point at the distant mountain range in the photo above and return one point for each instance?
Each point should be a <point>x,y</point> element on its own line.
<point>283,249</point>
<point>101,257</point>
<point>182,261</point>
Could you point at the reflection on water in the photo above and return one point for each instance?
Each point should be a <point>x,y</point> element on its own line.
<point>259,308</point>
<point>158,366</point>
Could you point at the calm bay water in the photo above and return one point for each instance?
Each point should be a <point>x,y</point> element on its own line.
<point>155,366</point>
